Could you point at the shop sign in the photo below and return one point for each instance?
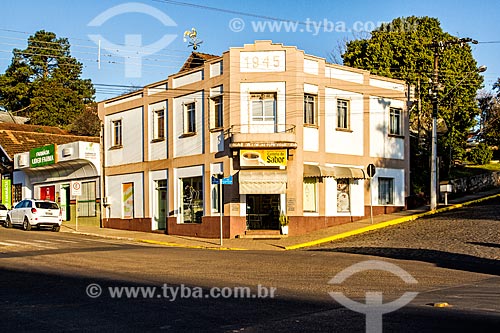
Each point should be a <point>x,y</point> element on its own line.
<point>267,157</point>
<point>6,192</point>
<point>42,156</point>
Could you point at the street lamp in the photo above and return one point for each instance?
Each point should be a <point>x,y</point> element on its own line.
<point>437,46</point>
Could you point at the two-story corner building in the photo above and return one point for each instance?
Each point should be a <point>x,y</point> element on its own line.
<point>294,132</point>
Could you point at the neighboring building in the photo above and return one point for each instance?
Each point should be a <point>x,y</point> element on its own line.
<point>40,162</point>
<point>295,133</point>
<point>7,117</point>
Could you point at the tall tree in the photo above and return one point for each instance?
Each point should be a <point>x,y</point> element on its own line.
<point>43,82</point>
<point>401,50</point>
<point>490,116</point>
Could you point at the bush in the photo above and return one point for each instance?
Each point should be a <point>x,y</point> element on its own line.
<point>481,154</point>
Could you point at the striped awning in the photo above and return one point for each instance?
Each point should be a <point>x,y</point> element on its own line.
<point>262,181</point>
<point>337,172</point>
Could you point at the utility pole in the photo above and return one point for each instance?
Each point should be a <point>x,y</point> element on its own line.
<point>438,46</point>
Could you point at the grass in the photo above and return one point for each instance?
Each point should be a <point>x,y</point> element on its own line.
<point>472,170</point>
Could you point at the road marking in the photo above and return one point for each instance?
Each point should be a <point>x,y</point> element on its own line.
<point>6,244</point>
<point>65,241</point>
<point>30,244</point>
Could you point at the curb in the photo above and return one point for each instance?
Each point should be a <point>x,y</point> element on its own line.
<point>149,241</point>
<point>386,224</point>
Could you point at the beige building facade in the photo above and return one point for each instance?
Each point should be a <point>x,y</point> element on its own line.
<point>291,134</point>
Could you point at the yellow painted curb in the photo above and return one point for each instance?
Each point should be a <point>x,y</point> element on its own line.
<point>385,224</point>
<point>149,241</point>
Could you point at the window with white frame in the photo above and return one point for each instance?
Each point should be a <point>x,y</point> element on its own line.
<point>190,118</point>
<point>343,196</point>
<point>215,198</point>
<point>310,107</point>
<point>342,113</point>
<point>159,124</point>
<point>116,135</point>
<point>310,202</point>
<point>395,121</point>
<point>385,191</point>
<point>192,199</point>
<point>263,107</point>
<point>216,112</point>
<point>86,201</point>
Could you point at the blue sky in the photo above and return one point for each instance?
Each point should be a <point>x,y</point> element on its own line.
<point>158,26</point>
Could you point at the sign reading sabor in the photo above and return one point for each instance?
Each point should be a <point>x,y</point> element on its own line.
<point>42,156</point>
<point>267,157</point>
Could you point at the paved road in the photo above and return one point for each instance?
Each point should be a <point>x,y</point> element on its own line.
<point>45,279</point>
<point>463,239</point>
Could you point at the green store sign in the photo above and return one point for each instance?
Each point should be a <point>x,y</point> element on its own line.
<point>42,156</point>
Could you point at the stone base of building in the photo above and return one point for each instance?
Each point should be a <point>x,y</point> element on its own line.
<point>233,226</point>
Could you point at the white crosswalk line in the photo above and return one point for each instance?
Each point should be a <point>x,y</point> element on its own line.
<point>31,244</point>
<point>65,241</point>
<point>7,244</point>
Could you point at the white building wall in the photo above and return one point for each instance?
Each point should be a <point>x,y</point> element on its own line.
<point>132,137</point>
<point>311,139</point>
<point>344,142</point>
<point>216,69</point>
<point>187,79</point>
<point>399,185</point>
<point>387,85</point>
<point>157,150</point>
<point>191,145</point>
<point>311,66</point>
<point>114,194</point>
<point>381,144</point>
<point>344,75</point>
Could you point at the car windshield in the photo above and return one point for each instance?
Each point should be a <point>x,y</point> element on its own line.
<point>46,205</point>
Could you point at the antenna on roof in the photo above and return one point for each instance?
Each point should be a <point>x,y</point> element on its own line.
<point>194,41</point>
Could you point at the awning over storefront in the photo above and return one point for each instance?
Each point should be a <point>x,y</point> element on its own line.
<point>338,172</point>
<point>262,181</point>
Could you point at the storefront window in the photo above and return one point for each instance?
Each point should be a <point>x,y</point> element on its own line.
<point>192,199</point>
<point>310,202</point>
<point>343,200</point>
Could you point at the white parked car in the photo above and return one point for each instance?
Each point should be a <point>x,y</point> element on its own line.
<point>3,213</point>
<point>35,213</point>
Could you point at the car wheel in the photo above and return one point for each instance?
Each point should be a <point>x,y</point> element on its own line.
<point>26,224</point>
<point>56,228</point>
<point>8,223</point>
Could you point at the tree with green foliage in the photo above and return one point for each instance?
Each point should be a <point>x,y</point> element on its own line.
<point>43,82</point>
<point>490,116</point>
<point>401,50</point>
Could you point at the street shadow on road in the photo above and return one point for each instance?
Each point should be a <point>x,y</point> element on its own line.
<point>442,259</point>
<point>485,244</point>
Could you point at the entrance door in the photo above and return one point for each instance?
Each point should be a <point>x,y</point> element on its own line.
<point>263,211</point>
<point>64,202</point>
<point>160,214</point>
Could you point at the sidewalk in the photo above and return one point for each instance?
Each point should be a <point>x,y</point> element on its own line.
<point>287,243</point>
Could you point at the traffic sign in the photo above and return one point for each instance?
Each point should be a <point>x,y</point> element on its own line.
<point>371,170</point>
<point>76,188</point>
<point>227,180</point>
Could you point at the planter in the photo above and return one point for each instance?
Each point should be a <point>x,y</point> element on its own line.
<point>284,230</point>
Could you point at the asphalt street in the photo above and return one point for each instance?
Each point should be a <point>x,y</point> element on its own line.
<point>50,282</point>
